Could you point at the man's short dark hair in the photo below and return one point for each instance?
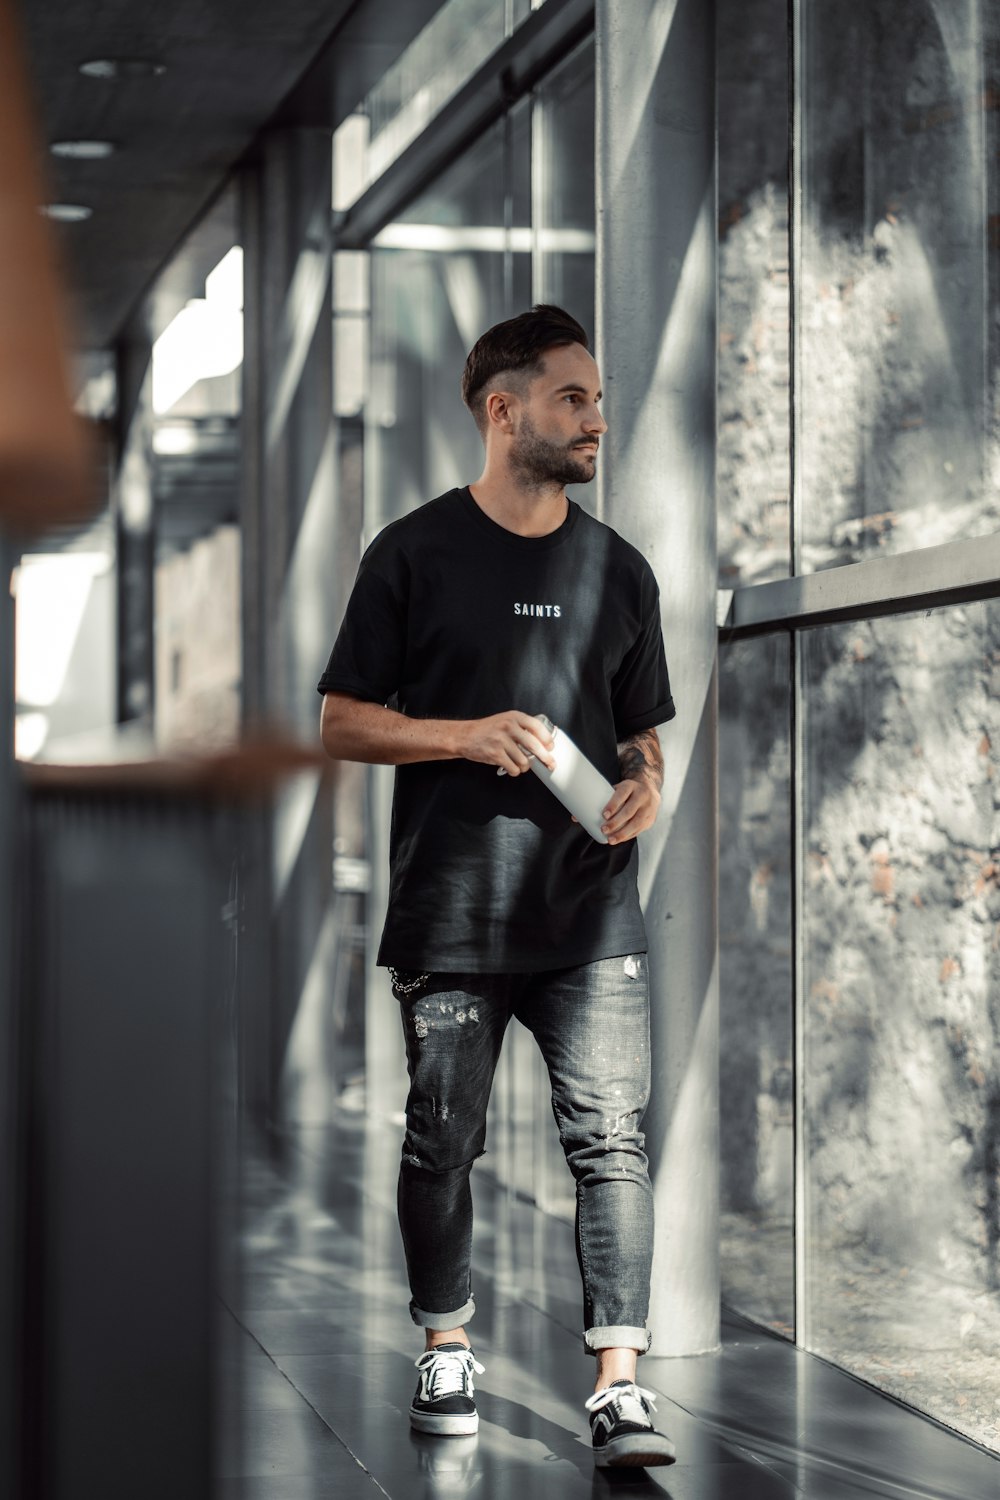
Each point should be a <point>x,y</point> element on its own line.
<point>516,347</point>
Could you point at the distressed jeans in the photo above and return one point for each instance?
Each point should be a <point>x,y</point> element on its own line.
<point>591,1024</point>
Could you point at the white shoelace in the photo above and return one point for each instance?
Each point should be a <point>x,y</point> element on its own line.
<point>447,1372</point>
<point>627,1398</point>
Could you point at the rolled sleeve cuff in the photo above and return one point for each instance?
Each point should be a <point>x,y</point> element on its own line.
<point>354,687</point>
<point>661,715</point>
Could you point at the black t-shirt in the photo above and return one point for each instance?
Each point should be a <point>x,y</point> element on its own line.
<point>455,617</point>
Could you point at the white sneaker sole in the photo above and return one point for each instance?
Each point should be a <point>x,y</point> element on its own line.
<point>635,1451</point>
<point>444,1424</point>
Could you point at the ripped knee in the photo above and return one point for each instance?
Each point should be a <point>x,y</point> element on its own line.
<point>446,1013</point>
<point>420,1156</point>
<point>611,1143</point>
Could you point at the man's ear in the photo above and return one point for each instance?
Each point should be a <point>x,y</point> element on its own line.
<point>499,410</point>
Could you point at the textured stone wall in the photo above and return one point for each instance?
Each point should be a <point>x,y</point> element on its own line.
<point>896,430</point>
<point>895,281</point>
<point>902,1004</point>
<point>754,451</point>
<point>897,448</point>
<point>902,958</point>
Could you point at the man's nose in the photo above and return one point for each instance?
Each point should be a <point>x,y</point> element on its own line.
<point>595,422</point>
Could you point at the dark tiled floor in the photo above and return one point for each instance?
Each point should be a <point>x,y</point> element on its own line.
<point>319,1369</point>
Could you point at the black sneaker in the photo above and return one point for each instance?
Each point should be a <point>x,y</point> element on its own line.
<point>622,1431</point>
<point>443,1402</point>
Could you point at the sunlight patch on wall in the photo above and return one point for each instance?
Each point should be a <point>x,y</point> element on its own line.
<point>206,337</point>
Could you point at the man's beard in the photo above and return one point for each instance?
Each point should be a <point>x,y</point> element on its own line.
<point>543,462</point>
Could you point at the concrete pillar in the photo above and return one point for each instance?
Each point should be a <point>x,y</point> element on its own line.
<point>289,432</point>
<point>656,346</point>
<point>289,558</point>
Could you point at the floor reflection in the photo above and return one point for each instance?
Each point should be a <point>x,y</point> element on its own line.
<point>321,1370</point>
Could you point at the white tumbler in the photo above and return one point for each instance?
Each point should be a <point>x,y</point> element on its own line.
<point>576,782</point>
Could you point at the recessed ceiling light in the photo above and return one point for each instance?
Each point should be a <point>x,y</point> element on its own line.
<point>67,213</point>
<point>83,150</point>
<point>123,67</point>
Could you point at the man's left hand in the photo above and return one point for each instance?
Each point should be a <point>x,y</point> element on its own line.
<point>631,810</point>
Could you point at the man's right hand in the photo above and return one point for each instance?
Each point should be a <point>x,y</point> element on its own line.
<point>356,729</point>
<point>507,741</point>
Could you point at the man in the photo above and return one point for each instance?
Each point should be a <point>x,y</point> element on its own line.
<point>477,612</point>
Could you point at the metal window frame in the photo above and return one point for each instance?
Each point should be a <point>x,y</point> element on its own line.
<point>928,578</point>
<point>796,154</point>
<point>513,70</point>
<point>922,579</point>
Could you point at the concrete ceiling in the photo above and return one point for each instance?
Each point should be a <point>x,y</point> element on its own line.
<point>231,66</point>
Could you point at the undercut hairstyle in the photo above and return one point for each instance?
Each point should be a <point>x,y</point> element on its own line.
<point>515,348</point>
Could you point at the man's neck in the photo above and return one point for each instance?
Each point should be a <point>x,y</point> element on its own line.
<point>525,511</point>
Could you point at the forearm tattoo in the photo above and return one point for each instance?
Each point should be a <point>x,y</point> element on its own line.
<point>640,757</point>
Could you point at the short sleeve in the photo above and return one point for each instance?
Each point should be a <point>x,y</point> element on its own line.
<point>640,689</point>
<point>367,657</point>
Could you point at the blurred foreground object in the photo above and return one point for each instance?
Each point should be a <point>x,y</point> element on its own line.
<point>45,472</point>
<point>144,974</point>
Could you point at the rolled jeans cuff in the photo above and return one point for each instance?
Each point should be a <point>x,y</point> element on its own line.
<point>442,1322</point>
<point>621,1337</point>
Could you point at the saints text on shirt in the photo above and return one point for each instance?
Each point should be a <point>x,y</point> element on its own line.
<point>551,611</point>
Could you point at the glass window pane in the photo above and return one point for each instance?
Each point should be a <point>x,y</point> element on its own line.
<point>441,274</point>
<point>455,43</point>
<point>901,962</point>
<point>456,261</point>
<point>563,187</point>
<point>755,975</point>
<point>195,395</point>
<point>896,434</point>
<point>351,302</point>
<point>753,448</point>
